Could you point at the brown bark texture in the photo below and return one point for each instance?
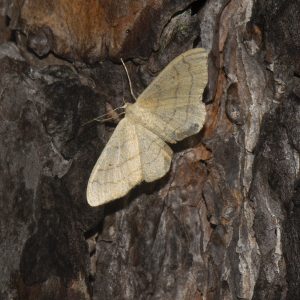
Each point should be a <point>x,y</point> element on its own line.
<point>222,224</point>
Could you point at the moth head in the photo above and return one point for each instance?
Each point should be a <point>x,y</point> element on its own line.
<point>128,108</point>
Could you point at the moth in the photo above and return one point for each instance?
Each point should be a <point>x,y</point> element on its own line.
<point>169,110</point>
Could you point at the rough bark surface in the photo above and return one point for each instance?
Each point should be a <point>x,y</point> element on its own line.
<point>223,224</point>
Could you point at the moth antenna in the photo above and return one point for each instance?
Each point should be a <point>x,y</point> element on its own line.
<point>108,119</point>
<point>130,85</point>
<point>99,119</point>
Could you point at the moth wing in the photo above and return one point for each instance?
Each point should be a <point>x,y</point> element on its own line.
<point>132,154</point>
<point>171,105</point>
<point>118,168</point>
<point>155,154</point>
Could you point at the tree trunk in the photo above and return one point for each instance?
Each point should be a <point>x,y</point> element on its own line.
<point>222,224</point>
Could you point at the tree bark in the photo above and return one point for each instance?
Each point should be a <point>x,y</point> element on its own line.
<point>222,224</point>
